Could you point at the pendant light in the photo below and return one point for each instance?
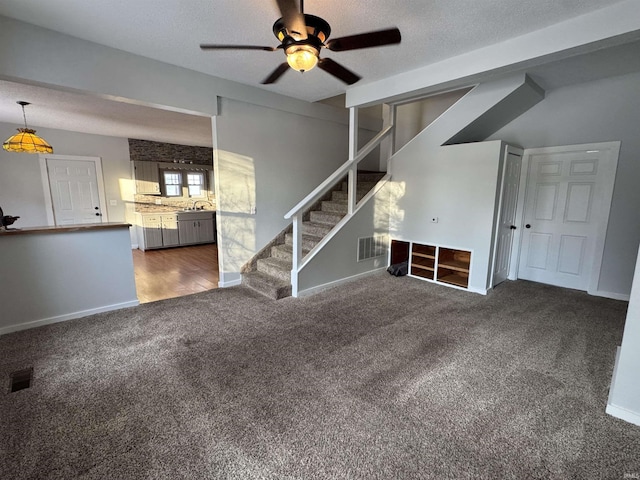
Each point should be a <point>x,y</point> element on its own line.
<point>26,140</point>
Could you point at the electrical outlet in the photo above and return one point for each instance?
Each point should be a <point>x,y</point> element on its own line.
<point>434,219</point>
<point>253,209</point>
<point>113,203</point>
<point>158,201</point>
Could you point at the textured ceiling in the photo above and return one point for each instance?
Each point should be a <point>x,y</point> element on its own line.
<point>171,31</point>
<point>90,114</point>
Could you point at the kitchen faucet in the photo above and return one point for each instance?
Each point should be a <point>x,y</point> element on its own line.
<point>193,206</point>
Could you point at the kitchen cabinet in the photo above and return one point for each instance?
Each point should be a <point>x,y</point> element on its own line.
<point>147,177</point>
<point>170,235</point>
<point>196,228</point>
<point>157,231</point>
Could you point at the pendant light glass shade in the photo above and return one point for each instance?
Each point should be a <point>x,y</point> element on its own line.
<point>26,140</point>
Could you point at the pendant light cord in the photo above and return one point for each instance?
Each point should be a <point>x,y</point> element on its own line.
<point>24,115</point>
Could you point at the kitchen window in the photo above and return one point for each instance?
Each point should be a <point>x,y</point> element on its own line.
<point>195,182</point>
<point>172,183</point>
<point>184,183</point>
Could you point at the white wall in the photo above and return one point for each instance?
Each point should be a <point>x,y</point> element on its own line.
<point>21,191</point>
<point>51,277</point>
<point>338,260</point>
<point>600,111</point>
<point>456,183</point>
<point>624,396</point>
<point>270,159</point>
<point>412,118</point>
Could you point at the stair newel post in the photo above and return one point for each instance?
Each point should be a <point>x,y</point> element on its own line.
<point>353,152</point>
<point>297,252</point>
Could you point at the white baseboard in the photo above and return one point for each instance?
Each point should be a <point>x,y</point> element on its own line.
<point>623,414</point>
<point>134,246</point>
<point>614,410</point>
<point>613,296</point>
<point>335,283</point>
<point>232,283</point>
<point>481,291</point>
<point>68,316</point>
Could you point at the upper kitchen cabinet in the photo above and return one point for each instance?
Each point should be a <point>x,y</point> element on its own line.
<point>147,177</point>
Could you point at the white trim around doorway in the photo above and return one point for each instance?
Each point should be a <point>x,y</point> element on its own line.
<point>612,151</point>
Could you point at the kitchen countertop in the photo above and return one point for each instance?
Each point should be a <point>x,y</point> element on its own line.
<point>174,212</point>
<point>63,228</point>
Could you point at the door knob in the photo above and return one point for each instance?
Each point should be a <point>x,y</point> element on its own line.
<point>97,208</point>
<point>98,214</point>
<point>512,227</point>
<point>527,226</point>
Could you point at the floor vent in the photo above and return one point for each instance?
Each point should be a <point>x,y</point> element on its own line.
<point>371,247</point>
<point>21,380</point>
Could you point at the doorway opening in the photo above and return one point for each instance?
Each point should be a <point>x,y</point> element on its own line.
<point>175,272</point>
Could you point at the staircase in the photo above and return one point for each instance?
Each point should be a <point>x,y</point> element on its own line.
<point>271,274</point>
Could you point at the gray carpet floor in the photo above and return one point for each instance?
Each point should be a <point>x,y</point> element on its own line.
<point>386,378</point>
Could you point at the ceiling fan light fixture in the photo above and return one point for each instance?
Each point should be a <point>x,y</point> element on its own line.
<point>302,57</point>
<point>26,140</point>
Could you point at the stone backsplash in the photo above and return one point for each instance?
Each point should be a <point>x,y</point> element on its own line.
<point>148,151</point>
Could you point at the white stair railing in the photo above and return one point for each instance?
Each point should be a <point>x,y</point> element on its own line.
<point>350,168</point>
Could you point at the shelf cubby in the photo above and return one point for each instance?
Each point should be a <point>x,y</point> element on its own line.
<point>399,251</point>
<point>423,260</point>
<point>453,266</point>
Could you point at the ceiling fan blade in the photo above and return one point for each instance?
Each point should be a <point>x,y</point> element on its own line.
<point>276,74</point>
<point>209,46</point>
<point>365,40</point>
<point>293,18</point>
<point>338,71</point>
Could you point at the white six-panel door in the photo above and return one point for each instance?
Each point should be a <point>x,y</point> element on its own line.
<point>74,188</point>
<point>566,210</point>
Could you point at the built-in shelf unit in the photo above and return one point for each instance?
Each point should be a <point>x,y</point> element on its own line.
<point>433,262</point>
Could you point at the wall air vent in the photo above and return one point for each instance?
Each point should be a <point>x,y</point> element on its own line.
<point>372,247</point>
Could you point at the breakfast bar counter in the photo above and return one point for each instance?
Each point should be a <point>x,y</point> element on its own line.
<point>64,228</point>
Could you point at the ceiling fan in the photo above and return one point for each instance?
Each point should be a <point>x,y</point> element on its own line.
<point>302,36</point>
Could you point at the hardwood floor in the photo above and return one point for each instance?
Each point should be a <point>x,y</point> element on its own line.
<point>174,272</point>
